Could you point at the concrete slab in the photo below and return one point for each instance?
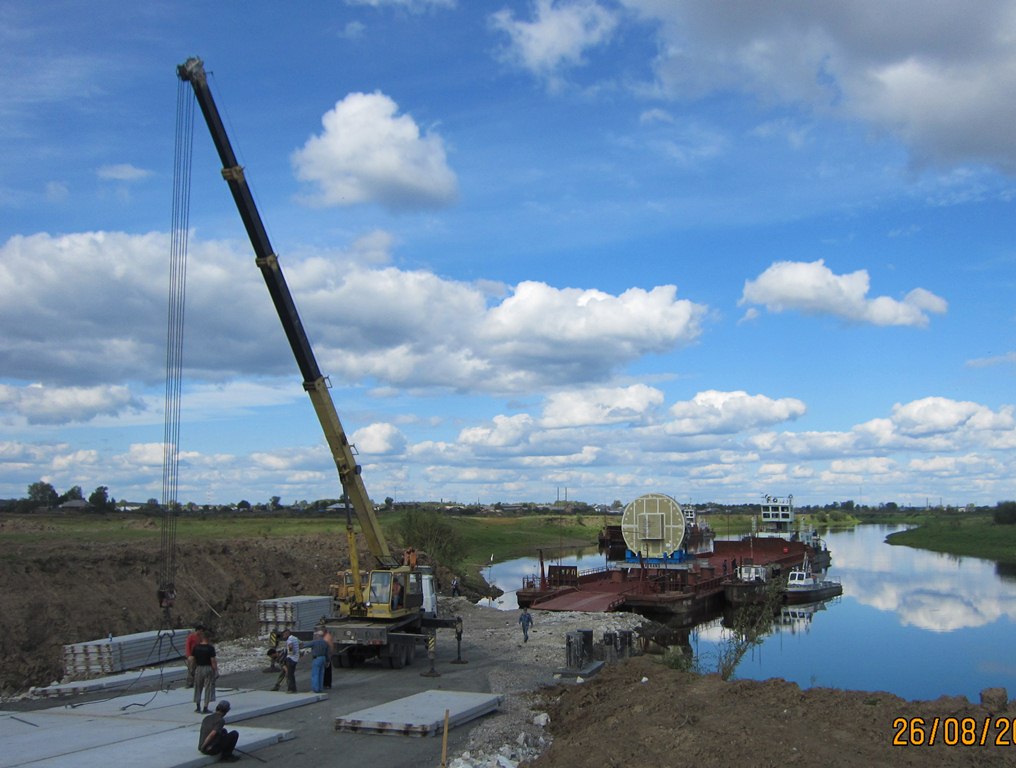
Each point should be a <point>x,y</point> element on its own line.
<point>178,705</point>
<point>159,729</point>
<point>174,748</point>
<point>163,676</point>
<point>421,714</point>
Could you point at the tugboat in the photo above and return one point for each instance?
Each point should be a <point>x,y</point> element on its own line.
<point>803,586</point>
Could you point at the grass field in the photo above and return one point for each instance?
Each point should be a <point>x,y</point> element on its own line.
<point>30,529</point>
<point>480,537</point>
<point>504,537</point>
<point>509,537</point>
<point>973,536</point>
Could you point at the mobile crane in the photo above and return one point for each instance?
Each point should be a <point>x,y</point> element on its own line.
<point>390,619</point>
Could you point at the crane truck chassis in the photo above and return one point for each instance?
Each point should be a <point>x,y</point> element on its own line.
<point>372,617</point>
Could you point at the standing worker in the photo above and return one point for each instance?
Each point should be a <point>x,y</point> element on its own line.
<point>206,670</point>
<point>292,659</point>
<point>320,650</point>
<point>326,635</point>
<point>188,651</point>
<point>526,620</point>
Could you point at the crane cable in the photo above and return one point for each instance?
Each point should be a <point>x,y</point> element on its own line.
<point>174,343</point>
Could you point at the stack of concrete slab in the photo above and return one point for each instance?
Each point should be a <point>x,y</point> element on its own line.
<point>122,652</point>
<point>163,676</point>
<point>300,613</point>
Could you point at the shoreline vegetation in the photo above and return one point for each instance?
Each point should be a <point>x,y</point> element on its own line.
<point>977,536</point>
<point>468,542</point>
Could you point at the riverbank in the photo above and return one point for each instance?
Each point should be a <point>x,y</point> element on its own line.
<point>974,536</point>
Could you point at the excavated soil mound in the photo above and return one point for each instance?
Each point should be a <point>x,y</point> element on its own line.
<point>54,595</point>
<point>641,712</point>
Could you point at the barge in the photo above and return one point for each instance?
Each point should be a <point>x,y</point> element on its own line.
<point>672,568</point>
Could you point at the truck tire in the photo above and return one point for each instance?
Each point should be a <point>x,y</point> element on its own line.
<point>346,659</point>
<point>396,655</point>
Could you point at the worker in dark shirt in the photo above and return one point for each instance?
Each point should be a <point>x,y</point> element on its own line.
<point>214,738</point>
<point>206,670</point>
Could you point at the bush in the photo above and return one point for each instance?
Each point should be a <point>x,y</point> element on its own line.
<point>1005,513</point>
<point>675,658</point>
<point>427,532</point>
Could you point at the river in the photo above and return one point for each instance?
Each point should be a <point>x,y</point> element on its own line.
<point>915,623</point>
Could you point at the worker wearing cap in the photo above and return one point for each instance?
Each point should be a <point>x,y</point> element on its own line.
<point>214,738</point>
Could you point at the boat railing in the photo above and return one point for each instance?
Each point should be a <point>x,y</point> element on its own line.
<point>562,577</point>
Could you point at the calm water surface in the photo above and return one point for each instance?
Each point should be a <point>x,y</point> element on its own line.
<point>914,623</point>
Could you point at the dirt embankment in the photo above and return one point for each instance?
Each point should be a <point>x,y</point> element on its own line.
<point>640,712</point>
<point>51,595</point>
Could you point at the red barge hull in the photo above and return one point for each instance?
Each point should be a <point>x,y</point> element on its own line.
<point>675,591</point>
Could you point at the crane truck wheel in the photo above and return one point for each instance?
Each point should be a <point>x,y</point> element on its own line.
<point>346,659</point>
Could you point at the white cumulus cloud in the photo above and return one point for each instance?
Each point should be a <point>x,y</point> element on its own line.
<point>504,431</point>
<point>600,405</point>
<point>379,438</point>
<point>571,332</point>
<point>715,412</point>
<point>935,415</point>
<point>558,36</point>
<point>39,404</point>
<point>814,289</point>
<point>368,153</point>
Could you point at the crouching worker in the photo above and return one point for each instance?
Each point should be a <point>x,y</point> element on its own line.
<point>215,739</point>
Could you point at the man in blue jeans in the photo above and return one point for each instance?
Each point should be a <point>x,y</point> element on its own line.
<point>526,620</point>
<point>320,650</point>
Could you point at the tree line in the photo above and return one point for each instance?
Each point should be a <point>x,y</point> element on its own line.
<point>43,494</point>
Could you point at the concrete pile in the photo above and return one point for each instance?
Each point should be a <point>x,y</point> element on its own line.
<point>118,654</point>
<point>300,613</point>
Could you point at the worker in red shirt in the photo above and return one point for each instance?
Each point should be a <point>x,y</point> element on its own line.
<point>194,638</point>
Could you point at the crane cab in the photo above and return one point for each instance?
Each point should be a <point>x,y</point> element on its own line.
<point>389,593</point>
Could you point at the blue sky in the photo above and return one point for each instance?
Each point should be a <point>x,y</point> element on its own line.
<point>594,247</point>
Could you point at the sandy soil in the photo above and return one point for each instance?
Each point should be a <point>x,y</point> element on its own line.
<point>639,712</point>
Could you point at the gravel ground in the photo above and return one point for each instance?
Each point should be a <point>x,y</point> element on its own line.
<point>519,671</point>
<point>517,733</point>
